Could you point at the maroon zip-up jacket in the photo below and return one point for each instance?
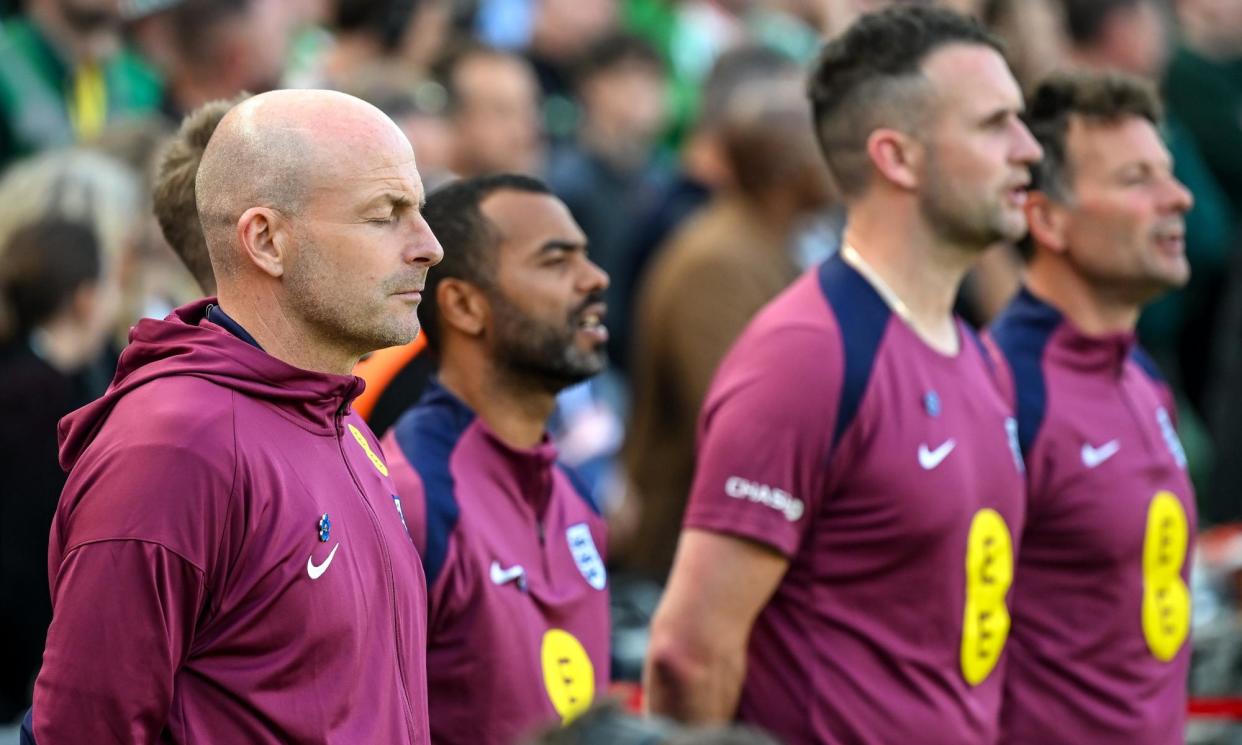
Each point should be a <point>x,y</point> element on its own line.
<point>228,562</point>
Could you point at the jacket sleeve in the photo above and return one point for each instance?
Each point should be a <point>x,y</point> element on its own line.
<point>125,612</point>
<point>141,544</point>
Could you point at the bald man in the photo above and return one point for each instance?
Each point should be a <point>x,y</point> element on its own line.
<point>228,562</point>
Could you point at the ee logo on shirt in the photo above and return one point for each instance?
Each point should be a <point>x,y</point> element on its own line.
<point>1166,600</point>
<point>989,572</point>
<point>568,674</point>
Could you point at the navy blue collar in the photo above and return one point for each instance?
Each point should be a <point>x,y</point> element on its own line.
<point>216,315</point>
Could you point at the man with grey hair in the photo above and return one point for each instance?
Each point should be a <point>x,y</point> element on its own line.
<point>228,534</point>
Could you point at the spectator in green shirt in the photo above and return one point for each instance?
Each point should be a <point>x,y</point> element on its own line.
<point>64,75</point>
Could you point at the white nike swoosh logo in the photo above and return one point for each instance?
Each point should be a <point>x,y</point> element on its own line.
<point>316,571</point>
<point>929,459</point>
<point>1092,457</point>
<point>504,576</point>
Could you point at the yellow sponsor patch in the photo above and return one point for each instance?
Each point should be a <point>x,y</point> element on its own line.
<point>989,573</point>
<point>1166,599</point>
<point>366,446</point>
<point>568,674</point>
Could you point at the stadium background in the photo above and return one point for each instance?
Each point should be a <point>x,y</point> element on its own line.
<point>611,102</point>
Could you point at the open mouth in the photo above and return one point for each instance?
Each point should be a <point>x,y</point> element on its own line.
<point>1016,195</point>
<point>1171,240</point>
<point>591,323</point>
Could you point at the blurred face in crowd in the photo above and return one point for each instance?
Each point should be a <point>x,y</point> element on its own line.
<point>497,117</point>
<point>978,152</point>
<point>627,101</point>
<point>269,26</point>
<point>1035,39</point>
<point>362,246</point>
<point>92,28</point>
<point>1138,41</point>
<point>1123,224</point>
<point>432,137</point>
<point>1216,24</point>
<point>428,29</point>
<point>547,302</point>
<point>564,29</point>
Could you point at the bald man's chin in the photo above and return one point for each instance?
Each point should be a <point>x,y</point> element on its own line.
<point>397,339</point>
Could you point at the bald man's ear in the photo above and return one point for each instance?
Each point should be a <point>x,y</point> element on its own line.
<point>262,233</point>
<point>463,307</point>
<point>1047,220</point>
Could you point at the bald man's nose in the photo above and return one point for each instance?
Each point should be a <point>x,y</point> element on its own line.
<point>424,247</point>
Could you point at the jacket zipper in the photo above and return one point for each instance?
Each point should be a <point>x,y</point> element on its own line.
<point>392,583</point>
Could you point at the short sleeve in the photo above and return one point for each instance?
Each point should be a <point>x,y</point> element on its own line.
<point>765,436</point>
<point>410,491</point>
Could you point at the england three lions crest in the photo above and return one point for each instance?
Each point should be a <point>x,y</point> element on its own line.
<point>586,556</point>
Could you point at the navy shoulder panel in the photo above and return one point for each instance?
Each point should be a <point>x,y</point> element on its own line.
<point>862,316</point>
<point>427,436</point>
<point>1021,333</point>
<point>1147,364</point>
<point>581,487</point>
<point>26,734</point>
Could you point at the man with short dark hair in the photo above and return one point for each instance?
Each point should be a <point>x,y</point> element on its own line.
<point>707,282</point>
<point>229,561</point>
<point>1099,649</point>
<point>850,534</point>
<point>608,172</point>
<point>174,190</point>
<point>212,49</point>
<point>494,111</point>
<point>60,295</point>
<point>513,549</point>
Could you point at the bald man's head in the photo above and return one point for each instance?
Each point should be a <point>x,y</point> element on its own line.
<point>311,202</point>
<point>276,150</point>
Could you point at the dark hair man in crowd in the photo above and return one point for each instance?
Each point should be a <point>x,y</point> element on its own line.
<point>715,273</point>
<point>517,591</point>
<point>228,560</point>
<point>174,197</point>
<point>214,49</point>
<point>704,168</point>
<point>1099,650</point>
<point>844,572</point>
<point>608,174</point>
<point>494,111</point>
<point>60,297</point>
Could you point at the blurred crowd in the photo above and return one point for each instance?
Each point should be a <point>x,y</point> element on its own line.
<point>678,133</point>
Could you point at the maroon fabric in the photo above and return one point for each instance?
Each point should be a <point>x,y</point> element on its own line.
<point>885,628</point>
<point>518,636</point>
<point>1107,479</point>
<point>194,599</point>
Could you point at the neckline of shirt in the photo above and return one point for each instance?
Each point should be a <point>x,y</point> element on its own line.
<point>854,259</point>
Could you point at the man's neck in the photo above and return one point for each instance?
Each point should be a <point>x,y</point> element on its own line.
<point>1091,311</point>
<point>923,272</point>
<point>287,338</point>
<point>518,414</point>
<point>614,147</point>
